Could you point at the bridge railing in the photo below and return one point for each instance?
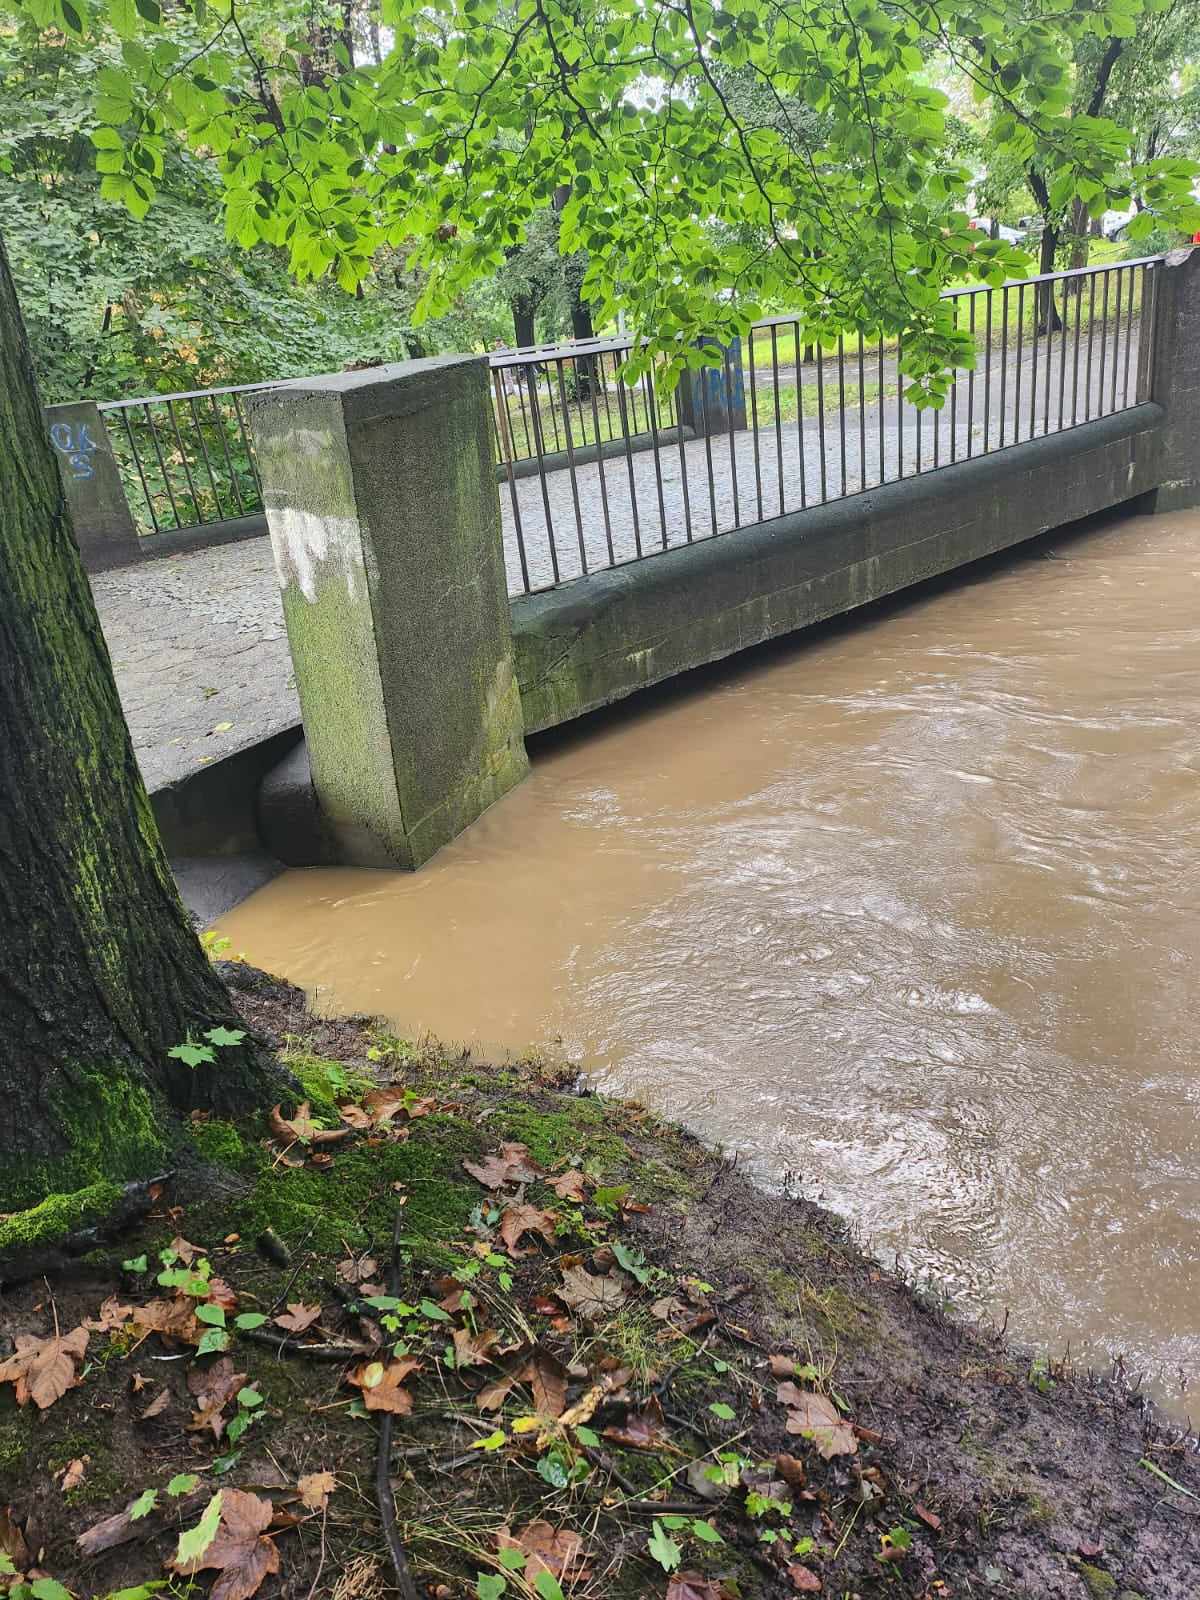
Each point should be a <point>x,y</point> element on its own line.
<point>595,471</point>
<point>784,423</point>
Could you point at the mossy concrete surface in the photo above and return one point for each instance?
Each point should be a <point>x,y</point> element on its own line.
<point>381,499</point>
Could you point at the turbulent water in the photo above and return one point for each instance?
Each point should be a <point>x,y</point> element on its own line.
<point>907,909</point>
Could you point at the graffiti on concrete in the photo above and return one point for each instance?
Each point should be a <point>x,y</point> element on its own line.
<point>73,440</point>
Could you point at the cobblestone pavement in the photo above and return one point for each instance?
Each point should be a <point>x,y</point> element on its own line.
<point>198,641</point>
<point>200,655</point>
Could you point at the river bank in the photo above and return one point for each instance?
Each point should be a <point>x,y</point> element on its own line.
<point>609,1364</point>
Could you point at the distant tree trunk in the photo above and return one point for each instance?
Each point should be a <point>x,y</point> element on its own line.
<point>1049,320</point>
<point>100,971</point>
<point>524,311</point>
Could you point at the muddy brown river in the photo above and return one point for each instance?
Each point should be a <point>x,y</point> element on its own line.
<point>908,909</point>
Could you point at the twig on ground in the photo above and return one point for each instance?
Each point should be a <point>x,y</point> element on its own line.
<point>383,1458</point>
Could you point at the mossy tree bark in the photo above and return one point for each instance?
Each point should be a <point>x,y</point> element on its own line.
<point>100,970</point>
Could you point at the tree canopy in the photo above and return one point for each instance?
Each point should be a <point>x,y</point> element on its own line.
<point>694,207</point>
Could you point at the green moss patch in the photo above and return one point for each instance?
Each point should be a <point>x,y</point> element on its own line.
<point>57,1216</point>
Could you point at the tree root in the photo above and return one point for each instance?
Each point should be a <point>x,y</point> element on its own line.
<point>55,1255</point>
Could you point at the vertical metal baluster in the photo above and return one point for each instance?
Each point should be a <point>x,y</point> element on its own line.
<point>841,354</point>
<point>1112,402</point>
<point>799,419</point>
<point>683,477</point>
<point>1049,356</point>
<point>539,450</point>
<point>518,384</point>
<point>728,386</point>
<point>204,455</point>
<point>899,408</point>
<point>245,438</point>
<point>187,466</point>
<point>1003,362</point>
<point>1128,338</point>
<point>1103,345</point>
<point>987,377</point>
<point>223,436</point>
<point>862,418</point>
<point>498,385</point>
<point>1078,297</point>
<point>162,466</point>
<point>137,461</point>
<point>920,421</point>
<point>550,404</point>
<point>971,383</point>
<point>652,420</point>
<point>754,427</point>
<point>623,410</point>
<point>608,538</point>
<point>1033,350</point>
<point>1150,331</point>
<point>1064,328</point>
<point>1087,396</point>
<point>562,393</point>
<point>1017,372</point>
<point>607,408</point>
<point>937,412</point>
<point>712,488</point>
<point>880,417</point>
<point>506,400</point>
<point>954,396</point>
<point>820,413</point>
<point>778,419</point>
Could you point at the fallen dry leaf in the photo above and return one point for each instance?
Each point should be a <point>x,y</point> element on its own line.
<point>112,1314</point>
<point>781,1366</point>
<point>558,1551</point>
<point>157,1406</point>
<point>591,1296</point>
<point>298,1318</point>
<point>214,1387</point>
<point>585,1408</point>
<point>695,1586</point>
<point>383,1386</point>
<point>569,1185</point>
<point>44,1369</point>
<point>315,1488</point>
<point>473,1349</point>
<point>804,1580</point>
<point>512,1163</point>
<point>931,1518</point>
<point>71,1475</point>
<point>301,1129</point>
<point>239,1552</point>
<point>517,1221</point>
<point>817,1418</point>
<point>12,1540</point>
<point>357,1271</point>
<point>174,1319</point>
<point>547,1378</point>
<point>641,1430</point>
<point>185,1249</point>
<point>791,1471</point>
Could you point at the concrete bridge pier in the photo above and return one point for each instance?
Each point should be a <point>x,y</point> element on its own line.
<point>381,501</point>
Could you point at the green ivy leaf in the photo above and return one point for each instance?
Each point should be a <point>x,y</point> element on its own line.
<point>490,1585</point>
<point>143,1505</point>
<point>706,1532</point>
<point>662,1548</point>
<point>212,1339</point>
<point>249,1319</point>
<point>182,1483</point>
<point>225,1036</point>
<point>548,1586</point>
<point>195,1541</point>
<point>192,1055</point>
<point>213,1315</point>
<point>720,1409</point>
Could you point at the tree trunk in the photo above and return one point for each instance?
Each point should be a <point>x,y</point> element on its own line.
<point>1049,320</point>
<point>101,972</point>
<point>524,308</point>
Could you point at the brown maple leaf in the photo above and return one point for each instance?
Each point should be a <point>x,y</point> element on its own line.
<point>569,1185</point>
<point>42,1370</point>
<point>301,1129</point>
<point>695,1586</point>
<point>157,1406</point>
<point>817,1418</point>
<point>357,1271</point>
<point>185,1250</point>
<point>383,1386</point>
<point>558,1551</point>
<point>804,1580</point>
<point>174,1319</point>
<point>641,1430</point>
<point>315,1488</point>
<point>473,1349</point>
<point>239,1552</point>
<point>298,1318</point>
<point>12,1540</point>
<point>591,1296</point>
<point>112,1314</point>
<point>512,1163</point>
<point>547,1378</point>
<point>71,1475</point>
<point>214,1387</point>
<point>517,1221</point>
